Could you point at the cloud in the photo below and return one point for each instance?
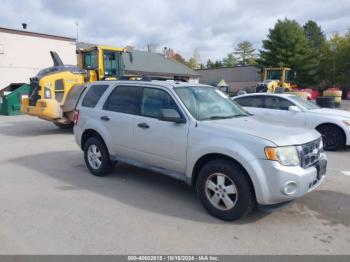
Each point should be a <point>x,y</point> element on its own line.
<point>211,27</point>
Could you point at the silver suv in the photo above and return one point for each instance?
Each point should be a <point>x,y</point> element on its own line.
<point>196,133</point>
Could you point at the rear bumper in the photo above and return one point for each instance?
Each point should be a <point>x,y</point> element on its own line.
<point>77,134</point>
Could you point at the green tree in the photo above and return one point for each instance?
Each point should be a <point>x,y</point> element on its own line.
<point>217,64</point>
<point>192,63</point>
<point>286,45</point>
<point>229,61</point>
<point>317,39</point>
<point>245,52</point>
<point>209,64</point>
<point>335,62</point>
<point>315,34</point>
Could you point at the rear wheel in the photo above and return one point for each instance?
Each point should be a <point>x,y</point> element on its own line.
<point>224,190</point>
<point>97,158</point>
<point>333,137</point>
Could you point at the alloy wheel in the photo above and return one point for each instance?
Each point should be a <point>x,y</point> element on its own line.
<point>221,191</point>
<point>94,156</point>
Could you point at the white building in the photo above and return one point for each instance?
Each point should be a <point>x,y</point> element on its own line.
<point>24,53</point>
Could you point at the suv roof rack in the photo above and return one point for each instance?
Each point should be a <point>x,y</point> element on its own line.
<point>151,78</point>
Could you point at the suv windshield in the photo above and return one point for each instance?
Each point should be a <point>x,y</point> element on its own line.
<point>304,103</point>
<point>208,103</point>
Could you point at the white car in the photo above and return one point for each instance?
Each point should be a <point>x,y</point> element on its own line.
<point>333,124</point>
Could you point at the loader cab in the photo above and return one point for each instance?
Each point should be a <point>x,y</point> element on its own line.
<point>102,62</point>
<point>285,76</point>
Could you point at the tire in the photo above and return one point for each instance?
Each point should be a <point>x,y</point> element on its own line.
<point>64,126</point>
<point>325,102</point>
<point>261,89</point>
<point>208,186</point>
<point>97,158</point>
<point>333,137</point>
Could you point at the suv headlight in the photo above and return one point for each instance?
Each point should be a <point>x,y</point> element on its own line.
<point>287,155</point>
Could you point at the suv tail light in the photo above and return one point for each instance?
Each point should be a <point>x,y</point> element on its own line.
<point>76,117</point>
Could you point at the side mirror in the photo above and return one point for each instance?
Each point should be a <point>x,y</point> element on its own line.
<point>294,109</point>
<point>170,115</point>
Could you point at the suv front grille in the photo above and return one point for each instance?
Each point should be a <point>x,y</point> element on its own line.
<point>310,153</point>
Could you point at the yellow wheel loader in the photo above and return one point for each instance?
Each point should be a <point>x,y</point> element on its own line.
<point>276,80</point>
<point>55,91</point>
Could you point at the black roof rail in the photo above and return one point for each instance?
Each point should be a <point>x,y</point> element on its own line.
<point>150,78</point>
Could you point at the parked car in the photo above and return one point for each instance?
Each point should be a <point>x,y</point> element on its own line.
<point>334,125</point>
<point>196,133</point>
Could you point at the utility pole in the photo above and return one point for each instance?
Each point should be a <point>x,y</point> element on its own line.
<point>77,28</point>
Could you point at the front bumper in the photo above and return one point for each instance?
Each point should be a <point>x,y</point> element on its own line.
<point>275,183</point>
<point>347,134</point>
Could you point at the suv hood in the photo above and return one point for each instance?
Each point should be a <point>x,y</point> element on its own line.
<point>331,112</point>
<point>276,132</point>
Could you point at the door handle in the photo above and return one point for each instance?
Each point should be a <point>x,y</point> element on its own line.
<point>104,118</point>
<point>143,125</point>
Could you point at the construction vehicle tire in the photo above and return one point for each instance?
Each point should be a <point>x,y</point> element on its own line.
<point>64,126</point>
<point>325,101</point>
<point>337,94</point>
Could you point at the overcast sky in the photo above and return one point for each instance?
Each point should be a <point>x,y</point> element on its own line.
<point>212,27</point>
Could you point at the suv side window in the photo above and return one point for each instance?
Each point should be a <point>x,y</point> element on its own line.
<point>251,101</point>
<point>93,95</point>
<point>124,99</point>
<point>277,103</point>
<point>153,100</point>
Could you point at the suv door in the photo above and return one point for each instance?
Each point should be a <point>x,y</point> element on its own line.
<point>160,143</point>
<point>119,111</point>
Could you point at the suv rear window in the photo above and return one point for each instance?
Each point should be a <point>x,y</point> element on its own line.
<point>93,95</point>
<point>124,99</point>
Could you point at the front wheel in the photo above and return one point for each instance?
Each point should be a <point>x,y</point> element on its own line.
<point>97,158</point>
<point>224,190</point>
<point>333,137</point>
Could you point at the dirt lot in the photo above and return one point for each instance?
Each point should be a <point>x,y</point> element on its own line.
<point>50,204</point>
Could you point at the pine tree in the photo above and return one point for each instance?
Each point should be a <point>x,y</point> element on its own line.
<point>209,64</point>
<point>229,60</point>
<point>315,34</point>
<point>288,46</point>
<point>217,64</point>
<point>245,52</point>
